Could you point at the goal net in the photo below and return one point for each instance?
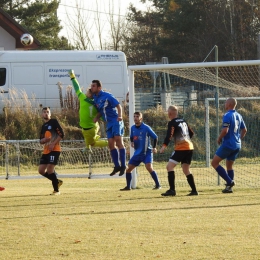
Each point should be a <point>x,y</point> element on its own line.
<point>199,90</point>
<point>21,158</point>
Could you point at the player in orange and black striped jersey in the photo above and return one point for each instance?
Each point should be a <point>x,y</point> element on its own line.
<point>181,133</point>
<point>51,135</point>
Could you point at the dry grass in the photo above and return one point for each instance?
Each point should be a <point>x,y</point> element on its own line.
<point>92,219</point>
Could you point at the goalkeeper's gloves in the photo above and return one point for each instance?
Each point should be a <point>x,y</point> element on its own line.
<point>72,74</point>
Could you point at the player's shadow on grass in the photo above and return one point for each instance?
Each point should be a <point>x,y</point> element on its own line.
<point>132,211</point>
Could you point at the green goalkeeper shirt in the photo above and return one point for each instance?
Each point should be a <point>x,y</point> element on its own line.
<point>87,109</point>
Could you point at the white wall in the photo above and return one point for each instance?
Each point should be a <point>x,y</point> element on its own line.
<point>7,42</point>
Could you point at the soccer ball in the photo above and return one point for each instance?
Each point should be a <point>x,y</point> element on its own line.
<point>26,39</point>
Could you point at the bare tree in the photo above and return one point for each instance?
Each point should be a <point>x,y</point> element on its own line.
<point>79,27</point>
<point>118,26</point>
<point>96,29</point>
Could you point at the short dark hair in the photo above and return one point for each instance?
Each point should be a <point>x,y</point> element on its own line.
<point>138,114</point>
<point>46,108</point>
<point>98,82</point>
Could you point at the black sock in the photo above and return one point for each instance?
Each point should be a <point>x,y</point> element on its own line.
<point>54,181</point>
<point>46,175</point>
<point>171,180</point>
<point>191,182</point>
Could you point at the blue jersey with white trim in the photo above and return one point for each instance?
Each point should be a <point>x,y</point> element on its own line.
<point>106,104</point>
<point>141,138</point>
<point>234,121</point>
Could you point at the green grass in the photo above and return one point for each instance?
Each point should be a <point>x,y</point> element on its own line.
<point>92,219</point>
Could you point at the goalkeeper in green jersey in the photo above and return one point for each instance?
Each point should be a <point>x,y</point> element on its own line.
<point>87,112</point>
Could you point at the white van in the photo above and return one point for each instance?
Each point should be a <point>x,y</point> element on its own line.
<point>38,73</point>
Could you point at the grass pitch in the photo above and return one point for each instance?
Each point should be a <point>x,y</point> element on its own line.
<point>92,219</point>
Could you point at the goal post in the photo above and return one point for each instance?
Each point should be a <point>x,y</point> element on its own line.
<point>240,79</point>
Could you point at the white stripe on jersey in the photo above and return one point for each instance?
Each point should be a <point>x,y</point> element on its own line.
<point>104,110</point>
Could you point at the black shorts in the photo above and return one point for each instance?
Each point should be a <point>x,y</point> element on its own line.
<point>183,156</point>
<point>50,158</point>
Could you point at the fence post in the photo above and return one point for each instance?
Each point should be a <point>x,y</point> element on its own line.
<point>7,160</point>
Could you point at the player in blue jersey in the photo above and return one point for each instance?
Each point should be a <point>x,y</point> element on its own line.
<point>233,130</point>
<point>111,111</point>
<point>140,141</point>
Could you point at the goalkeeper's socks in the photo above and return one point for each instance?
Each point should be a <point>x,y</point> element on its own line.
<point>54,181</point>
<point>223,174</point>
<point>122,155</point>
<point>231,174</point>
<point>155,178</point>
<point>171,180</point>
<point>46,175</point>
<point>191,182</point>
<point>115,158</point>
<point>128,177</point>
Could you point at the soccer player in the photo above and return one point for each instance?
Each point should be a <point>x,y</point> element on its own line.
<point>2,188</point>
<point>233,130</point>
<point>111,111</point>
<point>140,140</point>
<point>51,135</point>
<point>179,130</point>
<point>87,113</point>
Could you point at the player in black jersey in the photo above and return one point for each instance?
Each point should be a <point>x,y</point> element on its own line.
<point>50,136</point>
<point>179,130</point>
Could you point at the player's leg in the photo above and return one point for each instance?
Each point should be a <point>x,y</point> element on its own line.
<point>88,138</point>
<point>134,161</point>
<point>96,138</point>
<point>118,132</point>
<point>128,175</point>
<point>230,173</point>
<point>221,154</point>
<point>229,165</point>
<point>43,166</point>
<point>185,164</point>
<point>230,170</point>
<point>173,161</point>
<point>113,151</point>
<point>114,155</point>
<point>171,176</point>
<point>53,161</point>
<point>190,179</point>
<point>148,160</point>
<point>122,153</point>
<point>149,168</point>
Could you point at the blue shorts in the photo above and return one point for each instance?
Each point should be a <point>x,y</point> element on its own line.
<point>145,158</point>
<point>115,129</point>
<point>227,153</point>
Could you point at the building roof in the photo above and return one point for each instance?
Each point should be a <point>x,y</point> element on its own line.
<point>16,30</point>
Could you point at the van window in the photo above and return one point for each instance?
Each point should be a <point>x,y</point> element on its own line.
<point>2,76</point>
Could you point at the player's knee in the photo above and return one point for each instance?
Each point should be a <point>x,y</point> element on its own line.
<point>214,164</point>
<point>41,171</point>
<point>169,168</point>
<point>149,168</point>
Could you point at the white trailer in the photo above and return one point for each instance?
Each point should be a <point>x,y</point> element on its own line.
<point>38,73</point>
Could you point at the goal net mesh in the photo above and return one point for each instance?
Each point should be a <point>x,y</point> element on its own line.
<point>21,158</point>
<point>203,83</point>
